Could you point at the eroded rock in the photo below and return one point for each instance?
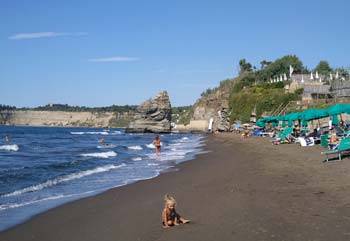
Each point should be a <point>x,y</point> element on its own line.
<point>153,116</point>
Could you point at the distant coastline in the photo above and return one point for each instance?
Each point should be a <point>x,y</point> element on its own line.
<point>64,118</point>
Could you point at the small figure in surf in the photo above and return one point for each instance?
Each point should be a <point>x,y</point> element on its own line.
<point>157,145</point>
<point>102,142</point>
<point>169,215</point>
<point>7,138</point>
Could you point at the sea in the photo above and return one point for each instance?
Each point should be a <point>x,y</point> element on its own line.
<point>44,167</point>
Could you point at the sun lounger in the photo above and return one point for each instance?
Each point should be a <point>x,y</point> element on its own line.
<point>344,145</point>
<point>285,137</point>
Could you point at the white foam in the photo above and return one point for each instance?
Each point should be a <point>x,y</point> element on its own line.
<point>16,205</point>
<point>150,145</point>
<point>184,138</point>
<point>137,159</point>
<point>9,147</point>
<point>89,133</point>
<point>136,148</point>
<point>62,179</point>
<point>100,154</point>
<point>116,133</point>
<point>175,144</point>
<point>106,146</point>
<point>152,164</point>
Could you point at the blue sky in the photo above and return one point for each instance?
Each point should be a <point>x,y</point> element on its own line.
<point>99,53</point>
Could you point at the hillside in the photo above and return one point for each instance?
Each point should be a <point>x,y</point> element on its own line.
<point>251,88</point>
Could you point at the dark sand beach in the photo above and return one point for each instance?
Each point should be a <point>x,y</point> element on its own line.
<point>244,189</point>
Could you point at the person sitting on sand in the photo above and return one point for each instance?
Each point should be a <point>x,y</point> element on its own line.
<point>333,141</point>
<point>157,145</point>
<point>169,215</point>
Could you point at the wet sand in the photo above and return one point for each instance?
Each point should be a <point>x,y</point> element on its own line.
<point>244,189</point>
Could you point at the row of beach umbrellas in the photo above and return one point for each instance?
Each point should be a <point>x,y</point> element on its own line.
<point>307,115</point>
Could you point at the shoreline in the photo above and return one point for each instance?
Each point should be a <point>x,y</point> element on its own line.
<point>244,189</point>
<point>14,214</point>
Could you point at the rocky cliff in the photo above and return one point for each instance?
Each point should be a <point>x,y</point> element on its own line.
<point>153,116</point>
<point>64,118</point>
<point>214,105</point>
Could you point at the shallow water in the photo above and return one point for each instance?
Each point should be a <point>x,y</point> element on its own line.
<point>41,167</point>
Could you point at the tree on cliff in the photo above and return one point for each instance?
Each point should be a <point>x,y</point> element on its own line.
<point>280,67</point>
<point>265,63</point>
<point>244,66</point>
<point>7,107</point>
<point>323,68</point>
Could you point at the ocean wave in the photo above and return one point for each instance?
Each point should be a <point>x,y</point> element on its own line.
<point>100,154</point>
<point>175,144</point>
<point>106,146</point>
<point>116,133</point>
<point>9,147</point>
<point>17,205</point>
<point>137,159</point>
<point>150,145</point>
<point>65,178</point>
<point>152,164</point>
<point>89,132</point>
<point>136,148</point>
<point>182,140</point>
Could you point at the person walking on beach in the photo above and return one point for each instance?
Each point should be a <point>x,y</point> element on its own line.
<point>157,145</point>
<point>169,215</point>
<point>330,124</point>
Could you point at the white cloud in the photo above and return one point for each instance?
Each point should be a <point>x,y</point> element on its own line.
<point>21,36</point>
<point>116,59</point>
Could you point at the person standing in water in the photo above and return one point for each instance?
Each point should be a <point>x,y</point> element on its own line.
<point>7,138</point>
<point>157,145</point>
<point>102,142</point>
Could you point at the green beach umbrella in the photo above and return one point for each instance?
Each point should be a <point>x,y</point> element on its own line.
<point>260,123</point>
<point>274,123</point>
<point>293,116</point>
<point>314,114</point>
<point>335,121</point>
<point>338,109</point>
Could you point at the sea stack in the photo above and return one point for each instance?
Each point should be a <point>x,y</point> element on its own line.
<point>153,116</point>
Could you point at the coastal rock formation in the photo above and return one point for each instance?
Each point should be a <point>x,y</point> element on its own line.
<point>153,115</point>
<point>223,121</point>
<point>214,106</point>
<point>64,118</point>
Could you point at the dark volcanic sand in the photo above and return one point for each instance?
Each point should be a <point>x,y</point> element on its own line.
<point>245,189</point>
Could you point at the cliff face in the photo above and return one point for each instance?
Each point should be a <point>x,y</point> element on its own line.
<point>63,118</point>
<point>210,106</point>
<point>153,115</point>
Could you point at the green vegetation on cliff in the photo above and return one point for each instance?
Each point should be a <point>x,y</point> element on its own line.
<point>252,87</point>
<point>7,107</point>
<point>181,114</point>
<point>266,97</point>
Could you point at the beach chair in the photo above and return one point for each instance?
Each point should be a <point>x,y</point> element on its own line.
<point>344,145</point>
<point>287,131</point>
<point>284,137</point>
